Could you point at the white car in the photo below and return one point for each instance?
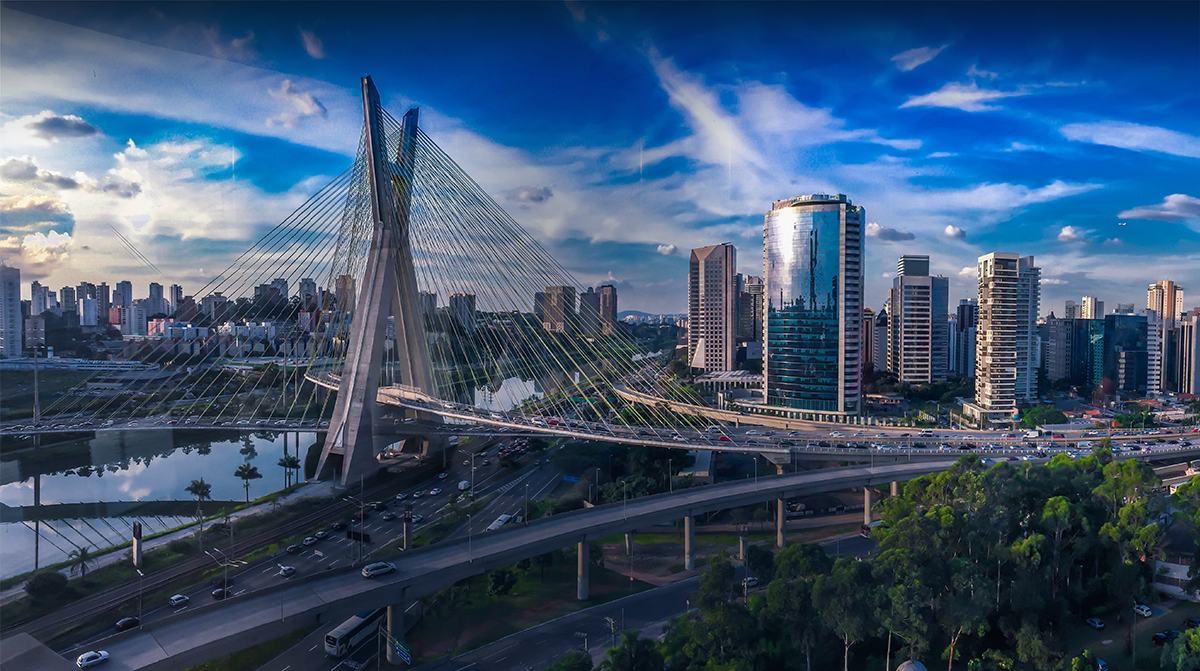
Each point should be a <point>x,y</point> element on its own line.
<point>1142,610</point>
<point>378,568</point>
<point>90,659</point>
<point>177,601</point>
<point>435,491</point>
<point>286,571</point>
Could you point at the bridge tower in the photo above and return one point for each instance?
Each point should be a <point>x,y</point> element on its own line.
<point>389,288</point>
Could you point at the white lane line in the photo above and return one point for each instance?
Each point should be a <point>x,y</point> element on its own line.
<point>500,651</point>
<point>288,666</point>
<point>314,647</point>
<point>268,569</point>
<point>467,666</point>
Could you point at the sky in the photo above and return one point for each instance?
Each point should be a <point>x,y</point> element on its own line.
<point>621,135</point>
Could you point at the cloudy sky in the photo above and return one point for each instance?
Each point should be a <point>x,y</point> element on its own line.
<point>620,135</point>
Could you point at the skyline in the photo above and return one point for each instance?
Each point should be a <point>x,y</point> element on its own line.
<point>639,135</point>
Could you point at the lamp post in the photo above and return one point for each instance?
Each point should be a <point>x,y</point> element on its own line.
<point>470,560</point>
<point>526,504</point>
<point>140,577</point>
<point>756,473</point>
<point>624,501</point>
<point>670,477</point>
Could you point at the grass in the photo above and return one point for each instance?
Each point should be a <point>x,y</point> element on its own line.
<point>487,619</point>
<point>252,658</point>
<point>1078,637</point>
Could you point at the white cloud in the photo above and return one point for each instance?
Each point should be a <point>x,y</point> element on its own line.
<point>1174,207</point>
<point>312,44</point>
<point>46,128</point>
<point>965,97</point>
<point>953,231</point>
<point>531,194</point>
<point>132,151</point>
<point>1021,146</point>
<point>968,271</point>
<point>668,250</point>
<point>908,60</point>
<point>1072,234</point>
<point>941,154</point>
<point>42,205</point>
<point>36,254</point>
<point>303,105</point>
<point>25,169</point>
<point>1052,280</point>
<point>1134,136</point>
<point>976,72</point>
<point>1113,242</point>
<point>874,230</point>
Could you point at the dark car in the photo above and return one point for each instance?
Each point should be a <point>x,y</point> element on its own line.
<point>361,515</point>
<point>339,526</point>
<point>127,623</point>
<point>1164,637</point>
<point>221,594</point>
<point>389,516</point>
<point>1191,623</point>
<point>293,548</point>
<point>379,505</point>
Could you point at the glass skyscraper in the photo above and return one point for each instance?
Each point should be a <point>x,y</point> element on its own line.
<point>813,285</point>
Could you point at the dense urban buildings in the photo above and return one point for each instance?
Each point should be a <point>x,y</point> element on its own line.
<point>814,285</point>
<point>918,328</point>
<point>1124,356</point>
<point>462,309</point>
<point>712,309</point>
<point>1165,298</point>
<point>10,312</point>
<point>1091,308</point>
<point>1006,349</point>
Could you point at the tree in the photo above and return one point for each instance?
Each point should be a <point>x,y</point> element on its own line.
<point>633,654</point>
<point>203,492</point>
<point>1182,654</point>
<point>45,585</point>
<point>802,560</point>
<point>761,563</point>
<point>844,601</point>
<point>247,473</point>
<point>501,581</point>
<point>79,559</point>
<point>543,562</point>
<point>289,463</point>
<point>1040,415</point>
<point>572,661</point>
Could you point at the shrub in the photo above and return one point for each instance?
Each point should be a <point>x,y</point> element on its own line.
<point>46,585</point>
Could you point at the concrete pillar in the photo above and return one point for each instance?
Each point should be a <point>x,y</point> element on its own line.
<point>406,535</point>
<point>867,505</point>
<point>743,542</point>
<point>895,488</point>
<point>779,469</point>
<point>689,539</point>
<point>629,543</point>
<point>395,629</point>
<point>780,523</point>
<point>581,591</point>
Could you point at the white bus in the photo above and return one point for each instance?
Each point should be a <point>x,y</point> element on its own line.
<point>500,521</point>
<point>353,631</point>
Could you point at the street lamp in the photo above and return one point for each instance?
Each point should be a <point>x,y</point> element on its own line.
<point>526,504</point>
<point>140,576</point>
<point>470,560</point>
<point>756,473</point>
<point>624,501</point>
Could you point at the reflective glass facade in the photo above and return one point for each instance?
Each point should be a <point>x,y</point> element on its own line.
<point>813,278</point>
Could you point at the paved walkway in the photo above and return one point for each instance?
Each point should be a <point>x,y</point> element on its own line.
<point>309,490</point>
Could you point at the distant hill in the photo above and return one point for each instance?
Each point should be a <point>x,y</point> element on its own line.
<point>631,313</point>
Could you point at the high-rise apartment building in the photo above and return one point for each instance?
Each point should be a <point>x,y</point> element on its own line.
<point>344,293</point>
<point>880,354</point>
<point>11,346</point>
<point>103,294</point>
<point>1092,308</point>
<point>560,315</point>
<point>868,337</point>
<point>1186,358</point>
<point>608,309</point>
<point>462,310</point>
<point>66,299</point>
<point>814,286</point>
<point>1006,350</point>
<point>1087,352</point>
<point>38,298</point>
<point>539,306</point>
<point>126,289</point>
<point>1166,299</point>
<point>1056,343</point>
<point>156,304</point>
<point>712,308</point>
<point>176,297</point>
<point>1124,309</point>
<point>308,293</point>
<point>750,309</point>
<point>1156,331</point>
<point>918,338</point>
<point>89,312</point>
<point>428,302</point>
<point>1070,311</point>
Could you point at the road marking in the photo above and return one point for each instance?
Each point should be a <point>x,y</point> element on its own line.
<point>333,562</point>
<point>268,569</point>
<point>467,666</point>
<point>239,593</point>
<point>289,665</point>
<point>500,651</point>
<point>314,647</point>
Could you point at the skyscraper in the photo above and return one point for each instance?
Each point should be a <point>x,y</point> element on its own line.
<point>967,322</point>
<point>1092,308</point>
<point>1187,355</point>
<point>539,306</point>
<point>1006,350</point>
<point>814,285</point>
<point>66,299</point>
<point>918,342</point>
<point>176,296</point>
<point>426,299</point>
<point>1057,345</point>
<point>1166,299</point>
<point>868,337</point>
<point>155,304</point>
<point>38,298</point>
<point>281,284</point>
<point>104,295</point>
<point>344,293</point>
<point>559,309</point>
<point>750,309</point>
<point>589,312</point>
<point>1125,356</point>
<point>462,309</point>
<point>10,312</point>
<point>1070,311</point>
<point>608,309</point>
<point>126,289</point>
<point>308,293</point>
<point>712,308</point>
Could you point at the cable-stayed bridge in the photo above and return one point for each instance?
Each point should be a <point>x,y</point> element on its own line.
<point>419,298</point>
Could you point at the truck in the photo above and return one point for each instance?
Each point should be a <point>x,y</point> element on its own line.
<point>464,485</point>
<point>1033,433</point>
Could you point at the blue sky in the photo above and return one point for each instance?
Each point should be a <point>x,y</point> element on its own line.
<point>645,129</point>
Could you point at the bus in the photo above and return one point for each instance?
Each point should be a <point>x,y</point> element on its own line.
<point>344,637</point>
<point>500,521</point>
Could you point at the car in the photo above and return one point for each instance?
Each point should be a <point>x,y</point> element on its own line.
<point>379,505</point>
<point>417,495</point>
<point>378,568</point>
<point>466,462</point>
<point>1191,623</point>
<point>1101,665</point>
<point>435,491</point>
<point>1164,637</point>
<point>442,475</point>
<point>1142,610</point>
<point>220,594</point>
<point>361,515</point>
<point>91,658</point>
<point>127,623</point>
<point>752,432</point>
<point>487,462</point>
<point>1095,623</point>
<point>749,581</point>
<point>417,518</point>
<point>309,540</point>
<point>401,496</point>
<point>389,516</point>
<point>339,526</point>
<point>322,534</point>
<point>723,439</point>
<point>293,549</point>
<point>286,571</point>
<point>177,601</point>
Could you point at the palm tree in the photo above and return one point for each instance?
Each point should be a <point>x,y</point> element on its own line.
<point>247,473</point>
<point>289,463</point>
<point>203,492</point>
<point>80,559</point>
<point>634,654</point>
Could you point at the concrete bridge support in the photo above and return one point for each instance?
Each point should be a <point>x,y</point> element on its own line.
<point>895,488</point>
<point>780,523</point>
<point>867,495</point>
<point>628,543</point>
<point>581,587</point>
<point>689,543</point>
<point>395,629</point>
<point>743,541</point>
